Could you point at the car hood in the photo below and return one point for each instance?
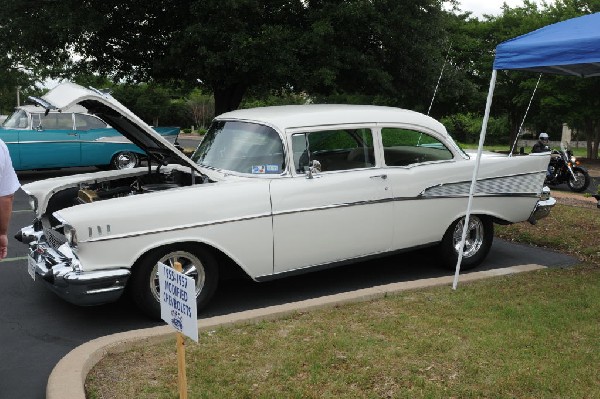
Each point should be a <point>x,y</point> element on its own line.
<point>159,150</point>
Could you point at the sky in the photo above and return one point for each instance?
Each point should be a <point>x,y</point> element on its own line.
<point>492,7</point>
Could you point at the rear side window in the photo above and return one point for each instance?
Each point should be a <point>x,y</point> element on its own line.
<point>88,122</point>
<point>404,147</point>
<point>53,121</point>
<point>339,149</point>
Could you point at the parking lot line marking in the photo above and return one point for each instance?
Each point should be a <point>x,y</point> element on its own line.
<point>13,259</point>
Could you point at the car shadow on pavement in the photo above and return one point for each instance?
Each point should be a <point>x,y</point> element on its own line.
<point>243,294</point>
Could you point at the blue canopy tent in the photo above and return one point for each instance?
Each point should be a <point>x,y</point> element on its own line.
<point>570,47</point>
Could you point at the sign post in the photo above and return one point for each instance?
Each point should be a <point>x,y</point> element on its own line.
<point>178,309</point>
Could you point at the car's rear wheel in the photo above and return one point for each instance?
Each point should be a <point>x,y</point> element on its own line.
<point>197,262</point>
<point>125,160</point>
<point>480,235</point>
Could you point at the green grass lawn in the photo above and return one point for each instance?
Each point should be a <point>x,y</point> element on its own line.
<point>531,335</point>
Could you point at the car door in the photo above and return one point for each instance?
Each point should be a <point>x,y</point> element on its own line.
<point>11,133</point>
<point>414,162</point>
<point>99,142</point>
<point>338,213</point>
<point>51,143</point>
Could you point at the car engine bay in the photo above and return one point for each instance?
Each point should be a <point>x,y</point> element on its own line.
<point>142,183</point>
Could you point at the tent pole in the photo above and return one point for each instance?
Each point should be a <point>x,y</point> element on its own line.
<point>486,117</point>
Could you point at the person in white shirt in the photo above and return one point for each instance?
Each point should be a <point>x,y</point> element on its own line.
<point>9,184</point>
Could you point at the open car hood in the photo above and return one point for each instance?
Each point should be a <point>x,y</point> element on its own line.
<point>114,113</point>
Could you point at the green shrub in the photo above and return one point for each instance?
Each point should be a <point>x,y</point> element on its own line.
<point>466,128</point>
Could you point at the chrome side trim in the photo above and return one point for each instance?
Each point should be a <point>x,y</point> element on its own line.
<point>178,228</point>
<point>520,184</point>
<point>302,210</point>
<point>505,186</point>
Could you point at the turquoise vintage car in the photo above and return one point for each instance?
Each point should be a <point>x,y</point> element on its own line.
<point>38,139</point>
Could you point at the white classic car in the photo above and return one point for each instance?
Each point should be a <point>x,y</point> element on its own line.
<point>269,192</point>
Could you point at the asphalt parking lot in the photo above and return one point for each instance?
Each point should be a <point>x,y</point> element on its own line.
<point>38,328</point>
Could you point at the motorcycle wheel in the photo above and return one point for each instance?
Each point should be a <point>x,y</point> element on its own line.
<point>582,183</point>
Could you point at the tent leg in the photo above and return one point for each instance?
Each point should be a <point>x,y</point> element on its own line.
<point>486,118</point>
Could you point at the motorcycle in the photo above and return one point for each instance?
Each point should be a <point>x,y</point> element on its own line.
<point>565,168</point>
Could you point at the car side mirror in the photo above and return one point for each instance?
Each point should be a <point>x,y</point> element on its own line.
<point>315,167</point>
<point>39,128</point>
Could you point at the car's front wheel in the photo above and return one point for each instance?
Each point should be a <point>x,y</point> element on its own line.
<point>197,262</point>
<point>125,160</point>
<point>478,242</point>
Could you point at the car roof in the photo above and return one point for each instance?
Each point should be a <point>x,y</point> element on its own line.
<point>33,109</point>
<point>300,116</point>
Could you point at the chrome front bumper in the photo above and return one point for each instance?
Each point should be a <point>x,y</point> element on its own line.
<point>542,207</point>
<point>62,273</point>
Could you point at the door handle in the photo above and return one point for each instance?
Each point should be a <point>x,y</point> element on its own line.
<point>379,176</point>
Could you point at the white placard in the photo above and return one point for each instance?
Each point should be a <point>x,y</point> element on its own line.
<point>178,301</point>
<point>31,266</point>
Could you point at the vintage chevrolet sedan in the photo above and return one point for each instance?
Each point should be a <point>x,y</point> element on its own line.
<point>269,192</point>
<point>37,139</point>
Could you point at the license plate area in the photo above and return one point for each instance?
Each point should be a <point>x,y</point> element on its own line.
<point>31,266</point>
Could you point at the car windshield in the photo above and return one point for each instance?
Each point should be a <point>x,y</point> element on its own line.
<point>18,120</point>
<point>241,147</point>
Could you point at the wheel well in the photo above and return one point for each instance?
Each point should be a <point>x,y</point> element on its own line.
<point>483,216</point>
<point>228,268</point>
<point>492,218</point>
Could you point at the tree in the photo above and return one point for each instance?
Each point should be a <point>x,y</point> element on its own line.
<point>574,99</point>
<point>384,49</point>
<point>231,46</point>
<point>201,108</point>
<point>381,51</point>
<point>474,42</point>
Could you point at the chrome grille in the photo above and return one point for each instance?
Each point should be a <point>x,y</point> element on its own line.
<point>54,238</point>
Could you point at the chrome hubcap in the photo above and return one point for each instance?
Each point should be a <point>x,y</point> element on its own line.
<point>191,267</point>
<point>125,160</point>
<point>474,238</point>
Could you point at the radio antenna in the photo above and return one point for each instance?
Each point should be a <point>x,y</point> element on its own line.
<point>440,78</point>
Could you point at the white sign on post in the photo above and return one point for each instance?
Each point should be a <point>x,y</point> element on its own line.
<point>178,301</point>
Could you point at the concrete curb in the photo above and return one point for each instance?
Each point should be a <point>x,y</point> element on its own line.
<point>67,379</point>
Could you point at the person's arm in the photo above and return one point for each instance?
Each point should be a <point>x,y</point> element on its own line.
<point>5,214</point>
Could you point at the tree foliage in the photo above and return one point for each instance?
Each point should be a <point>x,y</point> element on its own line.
<point>379,48</point>
<point>157,56</point>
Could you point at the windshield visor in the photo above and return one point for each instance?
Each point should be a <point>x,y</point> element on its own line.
<point>241,147</point>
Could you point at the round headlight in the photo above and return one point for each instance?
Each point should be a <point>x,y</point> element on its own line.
<point>33,204</point>
<point>573,159</point>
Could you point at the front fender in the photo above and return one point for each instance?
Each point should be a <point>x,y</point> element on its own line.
<point>234,218</point>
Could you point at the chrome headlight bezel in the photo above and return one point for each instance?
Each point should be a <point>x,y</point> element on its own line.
<point>70,234</point>
<point>33,203</point>
<point>68,231</point>
<point>573,159</point>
